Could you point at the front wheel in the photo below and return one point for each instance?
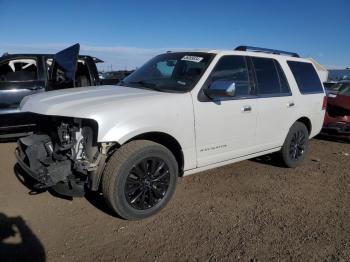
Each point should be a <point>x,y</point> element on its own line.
<point>139,179</point>
<point>296,145</point>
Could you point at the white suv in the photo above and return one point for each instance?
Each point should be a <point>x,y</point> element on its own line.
<point>179,114</point>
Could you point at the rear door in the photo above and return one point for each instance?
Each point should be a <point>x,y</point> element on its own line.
<point>275,104</point>
<point>19,77</point>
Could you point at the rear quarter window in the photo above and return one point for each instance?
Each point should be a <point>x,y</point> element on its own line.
<point>306,77</point>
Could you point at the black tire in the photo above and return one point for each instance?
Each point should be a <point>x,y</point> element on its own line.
<point>295,146</point>
<point>125,172</point>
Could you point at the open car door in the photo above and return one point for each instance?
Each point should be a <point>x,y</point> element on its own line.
<point>64,67</point>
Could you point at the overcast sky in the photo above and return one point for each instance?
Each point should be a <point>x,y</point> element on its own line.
<point>127,33</point>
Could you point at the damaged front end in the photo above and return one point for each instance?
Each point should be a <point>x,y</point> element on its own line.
<point>64,155</point>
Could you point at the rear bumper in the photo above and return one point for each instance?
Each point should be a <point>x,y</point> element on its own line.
<point>341,129</point>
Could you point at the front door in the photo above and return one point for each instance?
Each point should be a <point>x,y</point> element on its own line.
<point>225,127</point>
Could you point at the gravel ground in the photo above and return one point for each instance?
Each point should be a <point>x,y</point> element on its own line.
<point>250,211</point>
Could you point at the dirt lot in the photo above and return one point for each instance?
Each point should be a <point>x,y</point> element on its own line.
<point>252,211</point>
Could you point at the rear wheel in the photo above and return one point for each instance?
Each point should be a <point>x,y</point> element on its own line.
<point>296,145</point>
<point>139,179</point>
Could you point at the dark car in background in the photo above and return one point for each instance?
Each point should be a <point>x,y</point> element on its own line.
<point>26,74</point>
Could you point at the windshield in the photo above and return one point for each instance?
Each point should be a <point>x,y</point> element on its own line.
<point>345,90</point>
<point>170,72</point>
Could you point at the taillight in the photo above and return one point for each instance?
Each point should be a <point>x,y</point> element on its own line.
<point>324,104</point>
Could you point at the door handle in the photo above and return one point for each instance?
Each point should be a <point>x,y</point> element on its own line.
<point>246,109</point>
<point>290,104</point>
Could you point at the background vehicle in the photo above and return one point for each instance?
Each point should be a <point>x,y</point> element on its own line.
<point>25,74</point>
<point>336,75</point>
<point>335,87</point>
<point>330,87</point>
<point>337,118</point>
<point>113,75</point>
<point>180,113</point>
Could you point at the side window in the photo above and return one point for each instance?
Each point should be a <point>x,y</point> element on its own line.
<point>233,68</point>
<point>306,77</point>
<point>283,79</point>
<point>18,70</point>
<point>268,80</point>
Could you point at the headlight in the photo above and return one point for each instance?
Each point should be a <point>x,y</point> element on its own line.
<point>24,100</point>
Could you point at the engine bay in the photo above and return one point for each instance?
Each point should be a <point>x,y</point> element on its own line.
<point>63,154</point>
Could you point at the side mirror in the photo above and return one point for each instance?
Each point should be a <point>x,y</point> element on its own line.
<point>221,88</point>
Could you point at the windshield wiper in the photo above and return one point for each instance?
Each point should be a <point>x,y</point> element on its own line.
<point>146,85</point>
<point>143,83</point>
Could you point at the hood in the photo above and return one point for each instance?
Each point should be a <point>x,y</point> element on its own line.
<point>82,102</point>
<point>120,112</point>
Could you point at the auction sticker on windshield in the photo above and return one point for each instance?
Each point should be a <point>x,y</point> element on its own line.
<point>195,59</point>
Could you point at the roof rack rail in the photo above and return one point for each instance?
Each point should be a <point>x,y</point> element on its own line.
<point>265,50</point>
